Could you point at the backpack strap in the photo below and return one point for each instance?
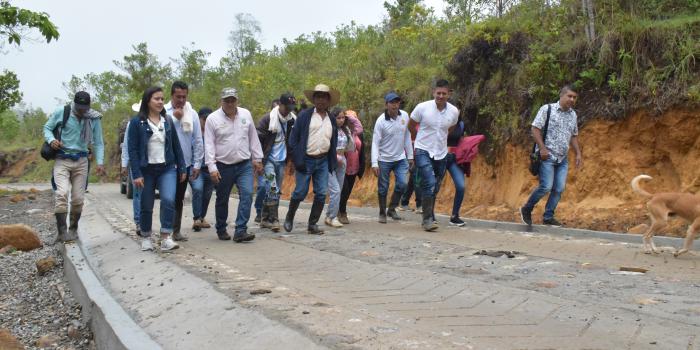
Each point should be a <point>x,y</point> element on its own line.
<point>544,130</point>
<point>66,115</point>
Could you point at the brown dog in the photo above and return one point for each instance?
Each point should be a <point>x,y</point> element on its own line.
<point>20,236</point>
<point>661,205</point>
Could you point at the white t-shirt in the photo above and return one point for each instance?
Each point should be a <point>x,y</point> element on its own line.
<point>391,140</point>
<point>434,127</point>
<point>156,143</point>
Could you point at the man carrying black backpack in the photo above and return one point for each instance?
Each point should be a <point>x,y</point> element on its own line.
<point>83,127</point>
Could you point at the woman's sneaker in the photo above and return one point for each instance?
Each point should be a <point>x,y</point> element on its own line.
<point>168,244</point>
<point>456,221</point>
<point>146,244</point>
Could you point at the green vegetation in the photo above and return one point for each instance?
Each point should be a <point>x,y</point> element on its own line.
<point>505,58</point>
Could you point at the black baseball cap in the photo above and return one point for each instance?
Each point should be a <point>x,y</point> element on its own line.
<point>288,100</point>
<point>82,100</point>
<point>204,112</point>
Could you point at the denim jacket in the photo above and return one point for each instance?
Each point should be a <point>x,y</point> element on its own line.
<point>139,134</point>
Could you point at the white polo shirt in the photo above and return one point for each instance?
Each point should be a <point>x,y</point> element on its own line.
<point>391,140</point>
<point>434,127</point>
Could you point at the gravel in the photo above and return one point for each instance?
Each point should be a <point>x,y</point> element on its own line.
<point>39,310</point>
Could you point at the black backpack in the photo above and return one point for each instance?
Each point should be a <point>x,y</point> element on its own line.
<point>47,152</point>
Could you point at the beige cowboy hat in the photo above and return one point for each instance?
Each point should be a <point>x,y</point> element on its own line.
<point>335,94</point>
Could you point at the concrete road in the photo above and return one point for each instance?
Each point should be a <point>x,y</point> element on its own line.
<point>393,286</point>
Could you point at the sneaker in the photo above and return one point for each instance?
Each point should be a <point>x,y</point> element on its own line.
<point>456,221</point>
<point>419,210</point>
<point>177,236</point>
<point>243,236</point>
<point>382,219</point>
<point>552,222</point>
<point>146,244</point>
<point>336,223</point>
<point>526,216</point>
<point>204,224</point>
<point>403,208</point>
<point>168,244</point>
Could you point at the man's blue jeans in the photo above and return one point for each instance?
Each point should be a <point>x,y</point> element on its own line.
<point>207,190</point>
<point>136,201</point>
<point>316,169</point>
<point>241,175</point>
<point>165,178</point>
<point>430,171</point>
<point>553,181</point>
<point>275,169</point>
<point>400,169</point>
<point>457,175</point>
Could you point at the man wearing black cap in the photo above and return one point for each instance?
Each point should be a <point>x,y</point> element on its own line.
<point>83,127</point>
<point>273,130</point>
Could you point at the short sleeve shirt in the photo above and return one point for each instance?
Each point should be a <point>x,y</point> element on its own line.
<point>562,127</point>
<point>434,126</point>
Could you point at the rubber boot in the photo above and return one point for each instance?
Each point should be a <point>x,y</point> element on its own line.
<point>73,228</point>
<point>428,222</point>
<point>289,219</point>
<point>395,198</point>
<point>382,209</point>
<point>316,210</point>
<point>61,227</point>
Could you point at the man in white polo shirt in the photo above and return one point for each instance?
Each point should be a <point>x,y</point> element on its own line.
<point>436,117</point>
<point>391,151</point>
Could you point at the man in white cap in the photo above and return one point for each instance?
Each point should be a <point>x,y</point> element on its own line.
<point>312,145</point>
<point>232,149</point>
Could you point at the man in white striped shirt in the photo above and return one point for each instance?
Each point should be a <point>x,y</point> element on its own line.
<point>391,151</point>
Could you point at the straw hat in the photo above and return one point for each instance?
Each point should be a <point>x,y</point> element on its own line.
<point>136,107</point>
<point>335,95</point>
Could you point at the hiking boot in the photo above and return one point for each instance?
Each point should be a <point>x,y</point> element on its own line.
<point>168,244</point>
<point>61,227</point>
<point>146,244</point>
<point>314,230</point>
<point>289,219</point>
<point>204,224</point>
<point>526,216</point>
<point>343,218</point>
<point>179,237</point>
<point>552,222</point>
<point>243,236</point>
<point>456,221</point>
<point>391,212</point>
<point>197,225</point>
<point>224,236</point>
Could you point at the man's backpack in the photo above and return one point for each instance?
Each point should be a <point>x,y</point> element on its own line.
<point>47,152</point>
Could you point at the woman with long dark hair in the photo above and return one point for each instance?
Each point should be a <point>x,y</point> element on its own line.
<point>355,164</point>
<point>336,178</point>
<point>156,161</point>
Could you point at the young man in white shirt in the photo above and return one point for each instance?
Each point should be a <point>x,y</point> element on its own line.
<point>391,151</point>
<point>436,117</point>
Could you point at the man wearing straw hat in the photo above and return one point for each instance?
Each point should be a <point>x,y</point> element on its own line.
<point>312,145</point>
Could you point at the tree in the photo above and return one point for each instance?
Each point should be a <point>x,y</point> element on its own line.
<point>106,87</point>
<point>15,21</point>
<point>143,70</point>
<point>589,13</point>
<point>192,66</point>
<point>14,24</point>
<point>9,90</point>
<point>400,12</point>
<point>244,39</point>
<point>468,10</point>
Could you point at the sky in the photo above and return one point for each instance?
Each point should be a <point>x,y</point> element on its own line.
<point>95,33</point>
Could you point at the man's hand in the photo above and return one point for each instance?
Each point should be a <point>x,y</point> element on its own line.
<point>195,174</point>
<point>183,177</point>
<point>375,170</point>
<point>215,177</point>
<point>100,170</point>
<point>55,144</point>
<point>138,182</point>
<point>258,167</point>
<point>123,171</point>
<point>544,154</point>
<point>579,161</point>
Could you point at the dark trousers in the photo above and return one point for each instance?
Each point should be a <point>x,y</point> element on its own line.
<point>348,184</point>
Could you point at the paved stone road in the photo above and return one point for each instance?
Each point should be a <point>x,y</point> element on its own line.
<point>393,286</point>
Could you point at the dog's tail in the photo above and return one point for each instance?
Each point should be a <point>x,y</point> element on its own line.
<point>635,185</point>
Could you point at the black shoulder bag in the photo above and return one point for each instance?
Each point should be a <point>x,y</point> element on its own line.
<point>47,152</point>
<point>535,159</point>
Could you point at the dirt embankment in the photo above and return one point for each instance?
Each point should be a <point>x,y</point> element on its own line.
<point>14,164</point>
<point>598,196</point>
